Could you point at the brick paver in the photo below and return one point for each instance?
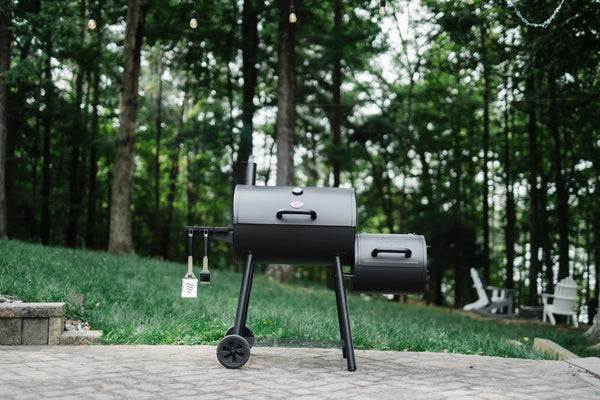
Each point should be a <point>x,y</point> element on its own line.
<point>193,372</point>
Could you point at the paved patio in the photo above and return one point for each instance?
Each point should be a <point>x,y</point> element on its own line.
<point>193,372</point>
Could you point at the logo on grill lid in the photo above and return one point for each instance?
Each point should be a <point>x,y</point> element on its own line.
<point>296,204</point>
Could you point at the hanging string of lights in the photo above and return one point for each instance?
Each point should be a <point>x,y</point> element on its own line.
<point>194,19</point>
<point>532,24</point>
<point>293,17</point>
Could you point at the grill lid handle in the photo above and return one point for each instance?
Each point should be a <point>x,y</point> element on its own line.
<point>377,250</point>
<point>281,212</point>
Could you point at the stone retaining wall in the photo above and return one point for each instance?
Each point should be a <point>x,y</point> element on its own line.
<point>31,323</point>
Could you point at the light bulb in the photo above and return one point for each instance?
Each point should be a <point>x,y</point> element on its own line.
<point>382,8</point>
<point>293,17</point>
<point>92,21</point>
<point>194,20</point>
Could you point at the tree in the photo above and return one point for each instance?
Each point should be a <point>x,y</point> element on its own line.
<point>158,127</point>
<point>483,38</point>
<point>509,228</point>
<point>286,107</point>
<point>47,120</point>
<point>562,200</point>
<point>5,40</point>
<point>249,46</point>
<point>120,239</point>
<point>336,115</point>
<point>286,114</point>
<point>77,131</point>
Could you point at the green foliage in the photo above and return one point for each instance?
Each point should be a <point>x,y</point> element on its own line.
<point>137,300</point>
<point>412,123</point>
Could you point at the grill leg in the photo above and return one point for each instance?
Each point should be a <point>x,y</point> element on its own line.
<point>342,306</point>
<point>242,308</point>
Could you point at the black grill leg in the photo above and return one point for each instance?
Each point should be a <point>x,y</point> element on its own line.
<point>342,306</point>
<point>242,308</point>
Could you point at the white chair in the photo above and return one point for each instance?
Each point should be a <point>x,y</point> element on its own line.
<point>499,304</point>
<point>564,301</point>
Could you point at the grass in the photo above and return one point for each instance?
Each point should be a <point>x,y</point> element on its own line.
<point>135,300</point>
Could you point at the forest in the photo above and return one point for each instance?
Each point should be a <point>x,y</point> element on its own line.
<point>471,122</point>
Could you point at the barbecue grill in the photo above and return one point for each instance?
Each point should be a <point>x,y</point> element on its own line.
<point>294,225</point>
<point>309,225</point>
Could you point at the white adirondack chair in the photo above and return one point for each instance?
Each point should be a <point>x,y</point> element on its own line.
<point>564,301</point>
<point>499,304</point>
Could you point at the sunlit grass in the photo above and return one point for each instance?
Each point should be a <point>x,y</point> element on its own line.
<point>137,300</point>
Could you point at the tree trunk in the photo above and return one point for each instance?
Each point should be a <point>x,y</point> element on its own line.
<point>47,125</point>
<point>597,266</point>
<point>486,147</point>
<point>90,239</point>
<point>92,200</point>
<point>286,86</point>
<point>534,240</point>
<point>120,239</point>
<point>336,116</point>
<point>405,145</point>
<point>458,209</point>
<point>158,126</point>
<point>562,197</point>
<point>75,175</point>
<point>191,193</point>
<point>509,230</point>
<point>5,41</point>
<point>546,237</point>
<point>284,123</point>
<point>250,74</point>
<point>595,221</point>
<point>173,172</point>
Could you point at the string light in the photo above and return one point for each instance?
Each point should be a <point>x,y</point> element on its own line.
<point>382,8</point>
<point>92,20</point>
<point>293,17</point>
<point>194,20</point>
<point>543,24</point>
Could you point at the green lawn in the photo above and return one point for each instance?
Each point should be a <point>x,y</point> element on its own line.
<point>136,300</point>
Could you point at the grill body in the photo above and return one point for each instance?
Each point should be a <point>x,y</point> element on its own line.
<point>285,224</point>
<point>309,225</point>
<point>390,264</point>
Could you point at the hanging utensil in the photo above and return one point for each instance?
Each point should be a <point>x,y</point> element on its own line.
<point>205,273</point>
<point>189,283</point>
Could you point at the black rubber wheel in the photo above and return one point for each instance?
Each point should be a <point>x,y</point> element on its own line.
<point>246,334</point>
<point>233,351</point>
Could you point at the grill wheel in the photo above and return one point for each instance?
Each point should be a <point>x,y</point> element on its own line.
<point>233,351</point>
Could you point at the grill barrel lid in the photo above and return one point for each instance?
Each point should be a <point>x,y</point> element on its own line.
<point>284,205</point>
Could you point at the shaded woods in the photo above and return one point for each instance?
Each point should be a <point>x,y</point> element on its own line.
<point>458,120</point>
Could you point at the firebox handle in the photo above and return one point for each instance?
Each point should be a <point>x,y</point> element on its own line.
<point>312,213</point>
<point>376,251</point>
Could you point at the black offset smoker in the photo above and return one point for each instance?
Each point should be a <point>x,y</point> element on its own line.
<point>308,225</point>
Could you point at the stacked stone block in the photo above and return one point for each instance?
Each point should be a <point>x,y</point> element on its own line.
<point>31,323</point>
